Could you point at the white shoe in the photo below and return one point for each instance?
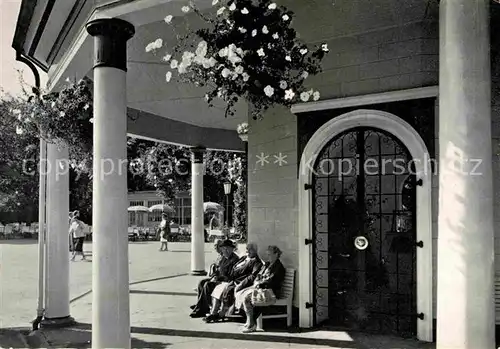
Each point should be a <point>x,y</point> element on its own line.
<point>249,329</point>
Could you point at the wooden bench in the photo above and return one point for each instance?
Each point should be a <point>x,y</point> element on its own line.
<point>497,299</point>
<point>286,299</point>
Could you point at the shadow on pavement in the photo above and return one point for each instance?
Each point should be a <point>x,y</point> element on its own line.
<point>80,337</point>
<point>256,337</point>
<point>164,293</point>
<point>133,283</point>
<point>13,337</point>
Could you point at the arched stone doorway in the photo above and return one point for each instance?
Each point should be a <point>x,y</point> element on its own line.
<point>356,288</point>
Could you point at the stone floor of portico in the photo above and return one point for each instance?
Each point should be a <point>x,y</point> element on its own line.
<point>161,291</point>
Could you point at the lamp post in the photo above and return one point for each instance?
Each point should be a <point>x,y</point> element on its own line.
<point>227,191</point>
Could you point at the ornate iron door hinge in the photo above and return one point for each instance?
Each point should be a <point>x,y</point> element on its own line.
<point>419,182</point>
<point>308,186</point>
<point>309,305</point>
<point>419,244</point>
<point>420,316</point>
<point>308,241</point>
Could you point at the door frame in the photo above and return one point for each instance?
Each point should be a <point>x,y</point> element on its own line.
<point>408,136</point>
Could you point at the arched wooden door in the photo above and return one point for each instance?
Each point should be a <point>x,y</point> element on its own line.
<point>364,234</point>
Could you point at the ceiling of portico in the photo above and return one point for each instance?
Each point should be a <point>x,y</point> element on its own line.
<point>315,21</point>
<point>149,91</point>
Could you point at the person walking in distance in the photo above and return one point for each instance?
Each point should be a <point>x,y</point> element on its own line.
<point>164,232</point>
<point>76,229</point>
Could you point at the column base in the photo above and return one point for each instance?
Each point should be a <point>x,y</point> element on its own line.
<point>198,272</point>
<point>58,322</point>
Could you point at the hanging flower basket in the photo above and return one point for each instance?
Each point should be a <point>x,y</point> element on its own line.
<point>247,50</point>
<point>63,118</point>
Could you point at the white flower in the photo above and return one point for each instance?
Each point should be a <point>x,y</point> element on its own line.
<point>183,67</point>
<point>209,63</point>
<point>202,48</point>
<point>225,73</point>
<point>289,94</point>
<point>85,107</point>
<point>19,130</point>
<point>254,32</point>
<point>272,6</point>
<point>167,57</point>
<point>168,19</point>
<point>242,30</point>
<point>245,11</point>
<point>91,120</point>
<point>305,75</point>
<point>215,2</point>
<point>316,96</point>
<point>232,7</point>
<point>68,80</point>
<point>150,47</point>
<point>324,47</point>
<point>62,114</point>
<point>158,43</point>
<point>269,91</point>
<point>304,96</point>
<point>265,30</point>
<point>288,58</point>
<point>276,36</point>
<point>52,105</point>
<point>168,76</point>
<point>261,52</point>
<point>285,17</point>
<point>239,70</point>
<point>224,52</point>
<point>174,64</point>
<point>283,84</point>
<point>185,9</point>
<point>221,11</point>
<point>303,51</point>
<point>245,77</point>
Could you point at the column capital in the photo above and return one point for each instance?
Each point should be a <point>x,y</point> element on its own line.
<point>111,36</point>
<point>197,154</point>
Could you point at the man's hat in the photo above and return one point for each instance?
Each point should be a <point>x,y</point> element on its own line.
<point>228,243</point>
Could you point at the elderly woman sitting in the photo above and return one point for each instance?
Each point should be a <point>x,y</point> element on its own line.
<point>265,288</point>
<point>242,276</point>
<point>221,274</point>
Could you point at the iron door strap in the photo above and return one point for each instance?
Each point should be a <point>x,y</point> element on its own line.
<point>419,244</point>
<point>308,186</point>
<point>309,305</point>
<point>308,241</point>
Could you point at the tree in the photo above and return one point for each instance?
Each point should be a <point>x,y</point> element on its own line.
<point>18,169</point>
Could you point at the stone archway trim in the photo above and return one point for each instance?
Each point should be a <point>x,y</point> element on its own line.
<point>416,146</point>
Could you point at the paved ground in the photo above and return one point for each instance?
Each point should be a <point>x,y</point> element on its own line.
<point>160,294</point>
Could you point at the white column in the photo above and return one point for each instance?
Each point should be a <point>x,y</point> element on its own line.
<point>110,274</point>
<point>465,308</point>
<point>57,258</point>
<point>197,226</point>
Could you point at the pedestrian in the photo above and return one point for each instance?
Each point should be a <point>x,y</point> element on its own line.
<point>70,235</point>
<point>76,229</point>
<point>164,231</point>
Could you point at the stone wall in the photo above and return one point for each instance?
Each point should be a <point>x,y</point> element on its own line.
<point>376,59</point>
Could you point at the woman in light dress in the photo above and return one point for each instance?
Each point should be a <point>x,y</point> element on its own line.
<point>164,231</point>
<point>77,231</point>
<point>271,277</point>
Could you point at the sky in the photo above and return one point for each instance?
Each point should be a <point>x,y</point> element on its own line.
<point>9,78</point>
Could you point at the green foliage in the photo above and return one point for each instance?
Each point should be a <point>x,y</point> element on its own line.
<point>246,50</point>
<point>63,118</point>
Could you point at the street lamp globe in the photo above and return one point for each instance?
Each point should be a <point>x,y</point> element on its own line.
<point>227,188</point>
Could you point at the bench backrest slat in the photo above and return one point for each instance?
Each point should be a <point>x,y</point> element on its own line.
<point>288,283</point>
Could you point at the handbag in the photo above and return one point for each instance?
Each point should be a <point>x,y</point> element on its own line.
<point>263,297</point>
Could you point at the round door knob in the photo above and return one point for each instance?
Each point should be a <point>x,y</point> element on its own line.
<point>361,243</point>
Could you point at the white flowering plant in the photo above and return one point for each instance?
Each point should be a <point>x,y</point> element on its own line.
<point>242,128</point>
<point>63,118</point>
<point>247,50</point>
